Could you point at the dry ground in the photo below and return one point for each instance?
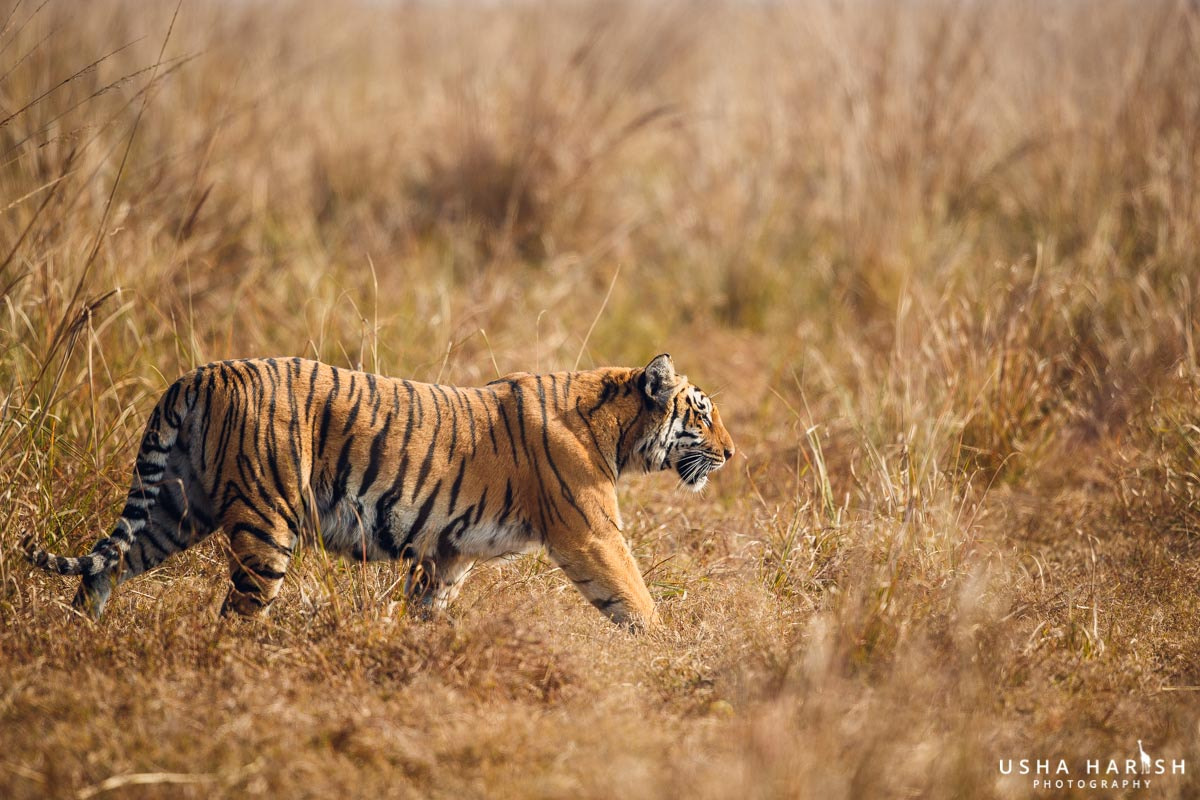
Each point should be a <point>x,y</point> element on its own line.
<point>936,260</point>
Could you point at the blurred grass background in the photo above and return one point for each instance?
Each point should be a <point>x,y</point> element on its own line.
<point>936,260</point>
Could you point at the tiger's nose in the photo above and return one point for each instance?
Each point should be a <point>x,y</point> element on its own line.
<point>728,452</point>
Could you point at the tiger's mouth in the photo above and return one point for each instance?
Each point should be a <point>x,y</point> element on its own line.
<point>694,467</point>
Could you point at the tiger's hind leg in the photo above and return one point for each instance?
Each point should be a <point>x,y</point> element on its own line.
<point>259,553</point>
<point>431,586</point>
<point>92,594</point>
<point>163,518</point>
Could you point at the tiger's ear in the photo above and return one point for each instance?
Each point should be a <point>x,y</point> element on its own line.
<point>659,378</point>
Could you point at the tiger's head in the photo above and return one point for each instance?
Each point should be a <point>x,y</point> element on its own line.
<point>684,431</point>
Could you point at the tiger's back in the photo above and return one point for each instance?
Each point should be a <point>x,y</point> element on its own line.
<point>279,451</point>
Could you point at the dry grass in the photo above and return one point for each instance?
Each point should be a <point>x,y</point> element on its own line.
<point>938,260</point>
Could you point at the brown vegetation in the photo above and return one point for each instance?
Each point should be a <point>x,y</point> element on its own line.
<point>936,260</point>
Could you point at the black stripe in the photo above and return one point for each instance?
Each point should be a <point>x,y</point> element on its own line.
<point>231,494</point>
<point>210,380</point>
<point>567,494</point>
<point>294,421</point>
<point>327,414</point>
<point>375,460</point>
<point>604,460</point>
<point>608,390</point>
<point>260,571</point>
<point>519,394</point>
<point>228,423</point>
<point>135,513</point>
<point>341,475</point>
<point>357,401</point>
<point>245,582</point>
<point>312,386</point>
<point>453,419</point>
<point>271,443</point>
<point>480,506</point>
<point>622,451</point>
<point>147,474</point>
<point>387,501</point>
<point>469,410</point>
<point>376,398</point>
<point>462,468</point>
<point>167,404</point>
<point>487,410</point>
<point>191,390</point>
<point>508,502</point>
<point>427,464</point>
<point>260,534</point>
<point>512,442</point>
<point>419,523</point>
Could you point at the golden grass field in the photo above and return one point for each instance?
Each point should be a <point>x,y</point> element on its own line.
<point>936,261</point>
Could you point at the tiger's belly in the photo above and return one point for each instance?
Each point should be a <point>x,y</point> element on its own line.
<point>351,529</point>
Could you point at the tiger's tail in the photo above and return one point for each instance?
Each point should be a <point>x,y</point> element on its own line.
<point>162,431</point>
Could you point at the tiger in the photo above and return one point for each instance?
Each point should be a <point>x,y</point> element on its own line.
<point>279,452</point>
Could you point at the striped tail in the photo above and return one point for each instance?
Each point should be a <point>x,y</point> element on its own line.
<point>92,564</point>
<point>161,432</point>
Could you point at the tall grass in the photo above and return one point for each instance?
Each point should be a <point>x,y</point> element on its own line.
<point>937,262</point>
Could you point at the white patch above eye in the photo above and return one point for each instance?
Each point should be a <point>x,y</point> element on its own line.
<point>699,401</point>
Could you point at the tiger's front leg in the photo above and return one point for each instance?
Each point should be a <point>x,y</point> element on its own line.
<point>601,566</point>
